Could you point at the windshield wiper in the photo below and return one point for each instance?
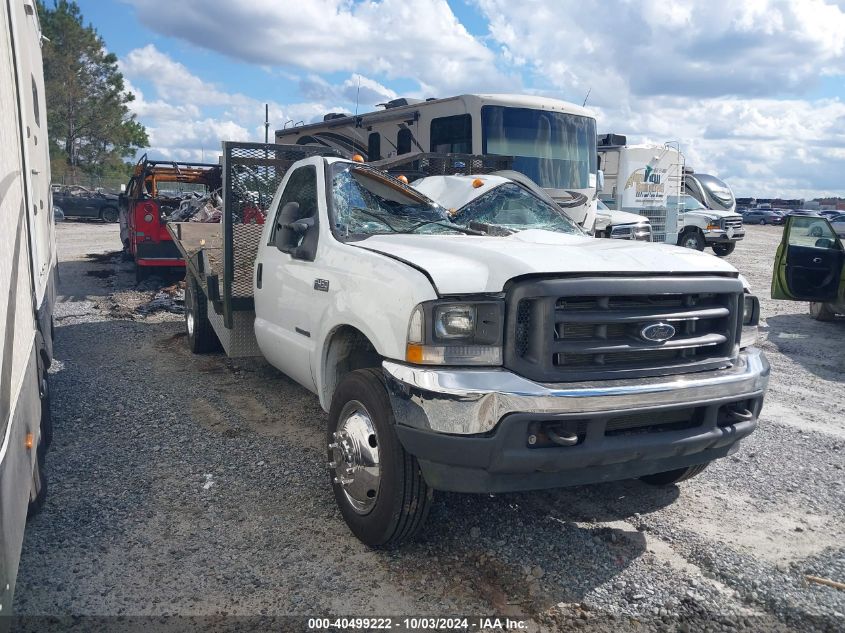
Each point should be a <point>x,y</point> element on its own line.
<point>377,217</point>
<point>446,224</point>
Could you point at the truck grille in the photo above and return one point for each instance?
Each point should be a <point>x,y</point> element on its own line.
<point>582,328</point>
<point>736,223</point>
<point>640,232</point>
<point>658,220</point>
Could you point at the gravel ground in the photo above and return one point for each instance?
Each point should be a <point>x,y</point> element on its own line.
<point>194,485</point>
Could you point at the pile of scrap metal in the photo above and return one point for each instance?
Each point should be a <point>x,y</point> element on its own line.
<point>199,208</point>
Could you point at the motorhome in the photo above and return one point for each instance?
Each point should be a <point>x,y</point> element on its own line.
<point>552,142</point>
<point>27,282</point>
<point>640,179</point>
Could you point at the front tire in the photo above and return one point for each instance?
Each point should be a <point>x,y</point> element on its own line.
<point>46,415</point>
<point>378,487</point>
<point>821,311</point>
<point>692,239</point>
<point>671,477</point>
<point>723,250</point>
<point>200,334</point>
<point>109,215</point>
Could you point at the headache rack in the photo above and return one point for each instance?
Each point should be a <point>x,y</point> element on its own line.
<point>221,255</point>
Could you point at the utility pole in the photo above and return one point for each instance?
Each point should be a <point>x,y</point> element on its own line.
<point>266,122</point>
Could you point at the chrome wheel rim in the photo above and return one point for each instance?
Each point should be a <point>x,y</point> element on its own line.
<point>354,451</point>
<point>189,312</point>
<point>691,242</point>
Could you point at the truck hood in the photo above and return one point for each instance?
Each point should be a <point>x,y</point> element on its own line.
<point>619,218</point>
<point>465,264</point>
<point>713,214</point>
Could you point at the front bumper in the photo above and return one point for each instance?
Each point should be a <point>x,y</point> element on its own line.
<point>163,253</point>
<point>469,427</point>
<point>720,236</point>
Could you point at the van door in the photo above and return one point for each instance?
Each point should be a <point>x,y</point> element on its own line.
<point>289,295</point>
<point>809,262</point>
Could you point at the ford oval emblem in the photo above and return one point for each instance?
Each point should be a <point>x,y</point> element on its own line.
<point>657,332</point>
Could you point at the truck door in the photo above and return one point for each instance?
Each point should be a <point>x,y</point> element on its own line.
<point>809,262</point>
<point>289,300</point>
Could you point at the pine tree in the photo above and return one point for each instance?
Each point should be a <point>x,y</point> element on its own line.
<point>91,127</point>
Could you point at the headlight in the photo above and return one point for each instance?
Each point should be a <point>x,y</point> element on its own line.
<point>465,333</point>
<point>454,321</point>
<point>750,310</point>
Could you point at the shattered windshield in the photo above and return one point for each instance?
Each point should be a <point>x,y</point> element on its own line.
<point>514,208</point>
<point>368,202</point>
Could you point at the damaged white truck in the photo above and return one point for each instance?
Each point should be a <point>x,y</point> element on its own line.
<point>452,358</point>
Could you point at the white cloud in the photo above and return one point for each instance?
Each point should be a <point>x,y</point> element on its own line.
<point>189,117</point>
<point>685,47</point>
<point>729,80</point>
<point>418,39</point>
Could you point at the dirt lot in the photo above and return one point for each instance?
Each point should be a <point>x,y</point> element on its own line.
<point>195,485</point>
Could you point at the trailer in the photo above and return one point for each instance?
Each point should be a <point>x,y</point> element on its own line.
<point>27,283</point>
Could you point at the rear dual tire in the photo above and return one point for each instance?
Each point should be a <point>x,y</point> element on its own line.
<point>200,335</point>
<point>377,485</point>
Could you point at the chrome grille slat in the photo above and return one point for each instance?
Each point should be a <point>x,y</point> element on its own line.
<point>604,347</point>
<point>600,316</point>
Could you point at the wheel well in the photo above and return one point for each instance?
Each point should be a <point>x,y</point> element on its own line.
<point>348,349</point>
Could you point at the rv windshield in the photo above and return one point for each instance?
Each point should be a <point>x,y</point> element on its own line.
<point>369,202</point>
<point>511,206</point>
<point>555,150</point>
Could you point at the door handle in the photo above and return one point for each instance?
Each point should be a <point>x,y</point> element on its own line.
<point>258,275</point>
<point>817,260</point>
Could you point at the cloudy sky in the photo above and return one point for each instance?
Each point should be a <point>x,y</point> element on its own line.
<point>754,90</point>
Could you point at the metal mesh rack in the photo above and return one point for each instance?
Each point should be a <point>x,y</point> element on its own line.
<point>251,174</point>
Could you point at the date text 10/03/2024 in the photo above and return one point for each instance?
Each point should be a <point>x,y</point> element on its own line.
<point>419,624</point>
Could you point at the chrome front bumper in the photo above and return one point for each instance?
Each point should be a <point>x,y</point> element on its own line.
<point>473,401</point>
<point>721,235</point>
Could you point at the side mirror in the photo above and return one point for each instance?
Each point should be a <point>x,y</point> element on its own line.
<point>300,227</point>
<point>58,214</point>
<point>286,238</point>
<point>599,180</point>
<point>824,242</point>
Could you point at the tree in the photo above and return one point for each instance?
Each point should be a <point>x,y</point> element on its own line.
<point>91,127</point>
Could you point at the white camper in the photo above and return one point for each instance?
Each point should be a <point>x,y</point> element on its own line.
<point>27,282</point>
<point>640,179</point>
<point>552,142</point>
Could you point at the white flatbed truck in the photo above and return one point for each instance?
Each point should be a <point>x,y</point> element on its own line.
<point>449,359</point>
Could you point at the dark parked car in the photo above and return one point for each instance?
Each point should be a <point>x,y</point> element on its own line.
<point>81,202</point>
<point>801,212</point>
<point>762,216</point>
